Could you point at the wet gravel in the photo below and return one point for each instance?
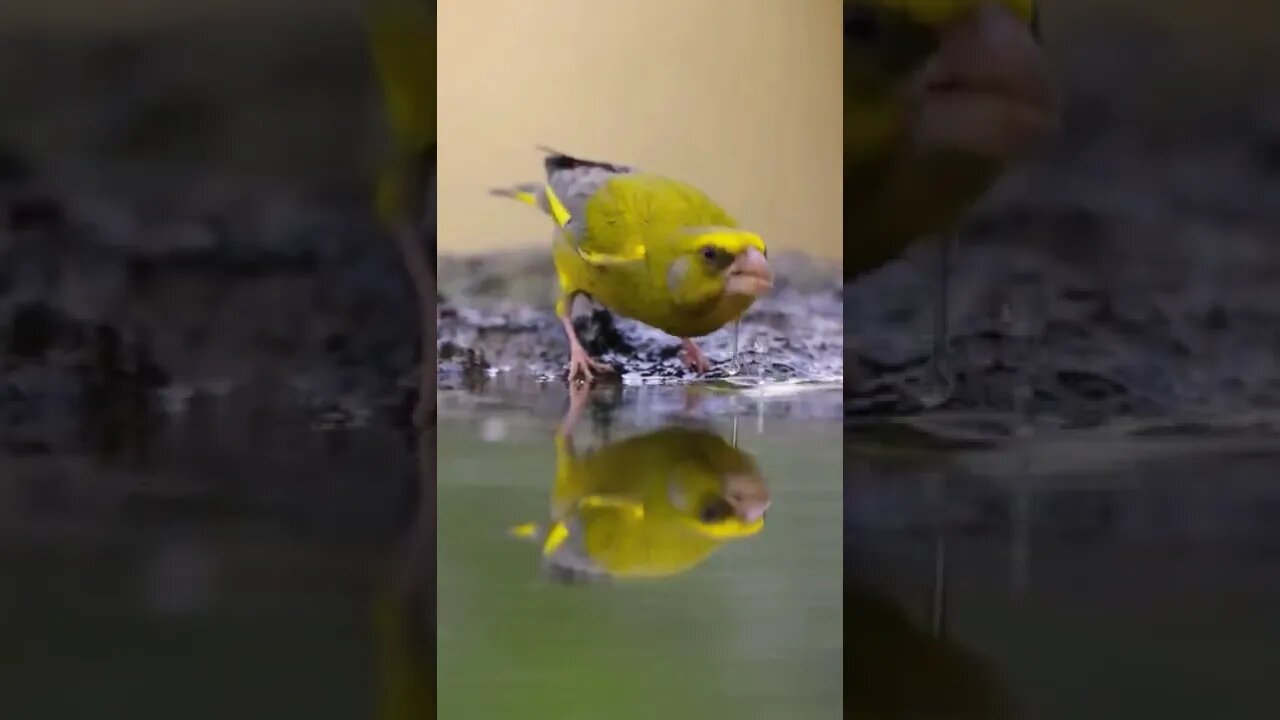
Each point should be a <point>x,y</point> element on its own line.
<point>1151,294</point>
<point>491,322</point>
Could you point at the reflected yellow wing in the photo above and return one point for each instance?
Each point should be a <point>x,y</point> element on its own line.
<point>406,671</point>
<point>402,39</point>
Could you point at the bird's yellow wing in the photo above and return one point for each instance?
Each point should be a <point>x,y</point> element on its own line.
<point>573,186</point>
<point>403,44</point>
<point>634,214</point>
<point>402,35</point>
<point>614,214</point>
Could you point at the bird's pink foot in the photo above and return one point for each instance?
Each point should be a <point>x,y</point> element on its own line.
<point>583,365</point>
<point>692,357</point>
<point>580,363</point>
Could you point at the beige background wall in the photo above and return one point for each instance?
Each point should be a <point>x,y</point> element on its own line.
<point>740,97</point>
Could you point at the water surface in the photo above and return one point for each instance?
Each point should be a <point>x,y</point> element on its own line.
<point>1125,574</point>
<point>227,561</point>
<point>657,622</point>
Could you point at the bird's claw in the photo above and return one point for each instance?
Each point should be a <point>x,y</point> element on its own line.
<point>693,358</point>
<point>583,365</point>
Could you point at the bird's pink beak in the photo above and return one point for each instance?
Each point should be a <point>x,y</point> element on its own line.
<point>988,89</point>
<point>748,496</point>
<point>749,274</point>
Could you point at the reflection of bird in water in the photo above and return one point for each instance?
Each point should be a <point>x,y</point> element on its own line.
<point>939,98</point>
<point>402,38</point>
<point>652,505</point>
<point>898,664</point>
<point>894,668</point>
<point>404,606</point>
<point>647,247</point>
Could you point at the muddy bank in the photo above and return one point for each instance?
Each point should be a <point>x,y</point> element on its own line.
<point>1117,275</point>
<point>103,301</point>
<point>496,318</point>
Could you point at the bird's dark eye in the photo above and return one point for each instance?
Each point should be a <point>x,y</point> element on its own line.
<point>717,510</point>
<point>861,24</point>
<point>890,39</point>
<point>710,252</point>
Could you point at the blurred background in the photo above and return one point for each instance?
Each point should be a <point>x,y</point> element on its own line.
<point>1050,542</point>
<point>193,180</point>
<point>203,338</point>
<point>1129,266</point>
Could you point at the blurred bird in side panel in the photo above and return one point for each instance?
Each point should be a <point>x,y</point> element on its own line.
<point>402,39</point>
<point>940,97</point>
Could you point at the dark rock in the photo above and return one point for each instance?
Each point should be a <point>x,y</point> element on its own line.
<point>33,329</point>
<point>36,213</point>
<point>14,168</point>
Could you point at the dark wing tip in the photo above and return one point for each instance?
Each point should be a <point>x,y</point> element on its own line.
<point>557,160</point>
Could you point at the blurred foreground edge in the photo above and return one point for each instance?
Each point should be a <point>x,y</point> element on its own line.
<point>403,47</point>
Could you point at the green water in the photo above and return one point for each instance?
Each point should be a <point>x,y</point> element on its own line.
<point>236,562</point>
<point>753,631</point>
<point>1126,572</point>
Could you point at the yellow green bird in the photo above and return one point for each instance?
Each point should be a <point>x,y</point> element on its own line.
<point>647,247</point>
<point>402,41</point>
<point>649,506</point>
<point>940,96</point>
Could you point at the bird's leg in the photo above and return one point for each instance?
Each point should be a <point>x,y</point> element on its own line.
<point>577,403</point>
<point>415,183</point>
<point>692,401</point>
<point>737,331</point>
<point>851,379</point>
<point>693,357</point>
<point>577,397</point>
<point>415,556</point>
<point>940,383</point>
<point>424,283</point>
<point>580,363</point>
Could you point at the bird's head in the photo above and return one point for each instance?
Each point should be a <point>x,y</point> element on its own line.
<point>720,491</point>
<point>735,509</point>
<point>945,75</point>
<point>714,263</point>
<point>940,97</point>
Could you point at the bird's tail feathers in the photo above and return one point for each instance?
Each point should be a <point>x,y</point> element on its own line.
<point>536,195</point>
<point>531,193</point>
<point>550,537</point>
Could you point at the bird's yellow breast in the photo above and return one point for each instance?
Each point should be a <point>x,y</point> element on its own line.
<point>638,290</point>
